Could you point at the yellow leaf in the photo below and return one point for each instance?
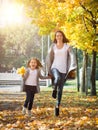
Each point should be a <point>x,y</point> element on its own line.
<point>9,125</point>
<point>89,110</point>
<point>96,120</point>
<point>21,70</point>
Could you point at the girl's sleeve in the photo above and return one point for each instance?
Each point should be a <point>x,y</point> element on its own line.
<point>26,74</point>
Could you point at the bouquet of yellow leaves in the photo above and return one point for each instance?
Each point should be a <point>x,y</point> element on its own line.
<point>21,70</point>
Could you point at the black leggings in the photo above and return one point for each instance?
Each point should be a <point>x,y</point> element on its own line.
<point>29,99</point>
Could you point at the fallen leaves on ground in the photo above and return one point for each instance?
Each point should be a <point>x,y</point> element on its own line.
<point>76,112</point>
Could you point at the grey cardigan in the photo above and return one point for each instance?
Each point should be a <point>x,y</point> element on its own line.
<point>71,59</point>
<point>39,75</point>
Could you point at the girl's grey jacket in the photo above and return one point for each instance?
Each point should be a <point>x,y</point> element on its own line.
<point>71,60</point>
<point>39,76</point>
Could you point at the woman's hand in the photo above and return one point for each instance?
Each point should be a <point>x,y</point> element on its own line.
<point>50,76</point>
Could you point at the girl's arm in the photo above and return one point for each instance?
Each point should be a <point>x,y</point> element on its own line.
<point>26,74</point>
<point>43,77</point>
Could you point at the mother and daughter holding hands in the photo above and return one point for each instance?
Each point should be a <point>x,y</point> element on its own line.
<point>60,62</point>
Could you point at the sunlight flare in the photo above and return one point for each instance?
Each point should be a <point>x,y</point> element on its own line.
<point>11,14</point>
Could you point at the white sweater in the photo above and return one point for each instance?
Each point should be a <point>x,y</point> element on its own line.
<point>32,78</point>
<point>60,58</point>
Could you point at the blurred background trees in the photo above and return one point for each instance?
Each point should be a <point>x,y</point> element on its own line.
<point>27,32</point>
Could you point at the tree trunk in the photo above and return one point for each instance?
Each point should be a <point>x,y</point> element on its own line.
<point>86,73</point>
<point>83,75</point>
<point>77,71</point>
<point>93,75</point>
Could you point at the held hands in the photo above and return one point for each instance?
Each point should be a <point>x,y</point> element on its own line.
<point>50,76</point>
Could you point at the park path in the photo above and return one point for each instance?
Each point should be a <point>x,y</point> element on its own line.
<point>76,112</point>
<point>11,100</point>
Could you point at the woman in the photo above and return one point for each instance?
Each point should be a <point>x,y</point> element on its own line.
<point>60,61</point>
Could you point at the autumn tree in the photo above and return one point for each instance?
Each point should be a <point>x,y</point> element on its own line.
<point>21,43</point>
<point>2,51</point>
<point>89,18</point>
<point>77,18</point>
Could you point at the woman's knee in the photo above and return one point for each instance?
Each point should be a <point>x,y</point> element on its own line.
<point>56,75</point>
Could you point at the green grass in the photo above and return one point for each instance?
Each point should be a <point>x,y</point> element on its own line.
<point>70,85</point>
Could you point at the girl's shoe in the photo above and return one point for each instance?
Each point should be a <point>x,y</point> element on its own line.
<point>29,113</point>
<point>56,111</point>
<point>24,111</point>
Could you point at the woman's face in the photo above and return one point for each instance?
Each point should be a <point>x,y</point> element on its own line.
<point>59,37</point>
<point>33,64</point>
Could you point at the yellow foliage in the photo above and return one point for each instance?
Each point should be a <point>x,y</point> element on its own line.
<point>21,70</point>
<point>89,110</point>
<point>74,114</point>
<point>82,121</point>
<point>96,120</point>
<point>66,15</point>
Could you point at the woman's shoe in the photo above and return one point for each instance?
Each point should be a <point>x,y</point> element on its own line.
<point>54,93</point>
<point>56,111</point>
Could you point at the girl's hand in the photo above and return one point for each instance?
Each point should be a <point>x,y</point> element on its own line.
<point>21,70</point>
<point>22,75</point>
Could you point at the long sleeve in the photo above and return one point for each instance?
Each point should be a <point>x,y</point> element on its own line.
<point>72,60</point>
<point>26,74</point>
<point>71,64</point>
<point>49,59</point>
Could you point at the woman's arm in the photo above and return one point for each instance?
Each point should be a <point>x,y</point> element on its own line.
<point>72,59</point>
<point>49,59</point>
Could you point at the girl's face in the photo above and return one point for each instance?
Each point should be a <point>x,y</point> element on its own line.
<point>59,37</point>
<point>33,64</point>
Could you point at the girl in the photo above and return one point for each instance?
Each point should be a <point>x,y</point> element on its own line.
<point>31,83</point>
<point>60,61</point>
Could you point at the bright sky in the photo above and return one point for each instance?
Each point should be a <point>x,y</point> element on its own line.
<point>11,13</point>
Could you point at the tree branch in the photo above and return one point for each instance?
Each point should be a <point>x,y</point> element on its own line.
<point>89,19</point>
<point>87,10</point>
<point>85,24</point>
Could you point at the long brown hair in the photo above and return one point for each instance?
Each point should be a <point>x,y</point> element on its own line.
<point>39,65</point>
<point>65,40</point>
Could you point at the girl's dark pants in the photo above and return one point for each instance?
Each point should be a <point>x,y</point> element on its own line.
<point>58,82</point>
<point>30,93</point>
